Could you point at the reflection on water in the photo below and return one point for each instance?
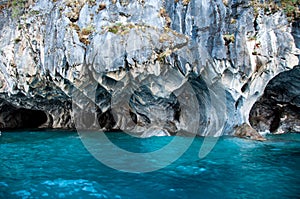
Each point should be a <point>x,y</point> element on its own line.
<point>56,165</point>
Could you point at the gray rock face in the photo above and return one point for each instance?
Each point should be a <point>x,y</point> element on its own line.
<point>278,109</point>
<point>147,67</point>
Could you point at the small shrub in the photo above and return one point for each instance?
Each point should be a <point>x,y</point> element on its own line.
<point>119,28</point>
<point>252,38</point>
<point>17,40</point>
<point>17,8</point>
<point>290,7</point>
<point>87,30</point>
<point>113,29</point>
<point>85,33</point>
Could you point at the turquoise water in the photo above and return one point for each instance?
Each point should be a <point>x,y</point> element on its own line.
<point>56,165</point>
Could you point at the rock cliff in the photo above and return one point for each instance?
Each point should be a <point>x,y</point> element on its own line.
<point>149,67</point>
<point>278,109</point>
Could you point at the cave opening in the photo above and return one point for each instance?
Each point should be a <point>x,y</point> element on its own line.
<point>12,117</point>
<point>32,118</point>
<point>277,110</point>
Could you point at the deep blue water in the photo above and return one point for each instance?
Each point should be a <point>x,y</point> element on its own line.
<point>56,165</point>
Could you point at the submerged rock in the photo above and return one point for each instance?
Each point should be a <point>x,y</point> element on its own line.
<point>191,66</point>
<point>246,131</point>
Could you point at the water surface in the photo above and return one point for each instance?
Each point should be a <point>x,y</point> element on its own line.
<point>55,164</point>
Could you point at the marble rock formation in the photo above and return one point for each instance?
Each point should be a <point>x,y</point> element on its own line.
<point>132,65</point>
<point>278,109</point>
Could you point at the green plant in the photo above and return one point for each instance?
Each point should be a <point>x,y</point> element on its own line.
<point>113,29</point>
<point>289,10</point>
<point>254,52</point>
<point>34,12</point>
<point>17,40</point>
<point>119,28</point>
<point>84,33</point>
<point>17,8</point>
<point>252,38</point>
<point>88,30</point>
<point>290,7</point>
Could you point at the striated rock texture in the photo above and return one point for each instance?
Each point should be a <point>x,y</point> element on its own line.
<point>278,109</point>
<point>150,67</point>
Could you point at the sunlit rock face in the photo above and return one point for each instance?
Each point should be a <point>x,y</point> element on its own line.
<point>147,67</point>
<point>278,109</point>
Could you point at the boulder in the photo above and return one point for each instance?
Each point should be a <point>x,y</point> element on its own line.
<point>247,132</point>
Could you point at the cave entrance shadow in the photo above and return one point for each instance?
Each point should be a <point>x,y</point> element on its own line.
<point>21,118</point>
<point>32,118</point>
<point>278,109</point>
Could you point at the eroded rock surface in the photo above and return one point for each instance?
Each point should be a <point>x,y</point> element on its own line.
<point>278,110</point>
<point>191,66</point>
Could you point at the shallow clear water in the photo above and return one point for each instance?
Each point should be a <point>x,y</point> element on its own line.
<point>57,165</point>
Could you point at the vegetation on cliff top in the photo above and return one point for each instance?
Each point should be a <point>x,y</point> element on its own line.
<point>290,7</point>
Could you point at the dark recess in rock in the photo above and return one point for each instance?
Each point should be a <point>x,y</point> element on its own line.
<point>278,110</point>
<point>106,120</point>
<point>14,118</point>
<point>161,109</point>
